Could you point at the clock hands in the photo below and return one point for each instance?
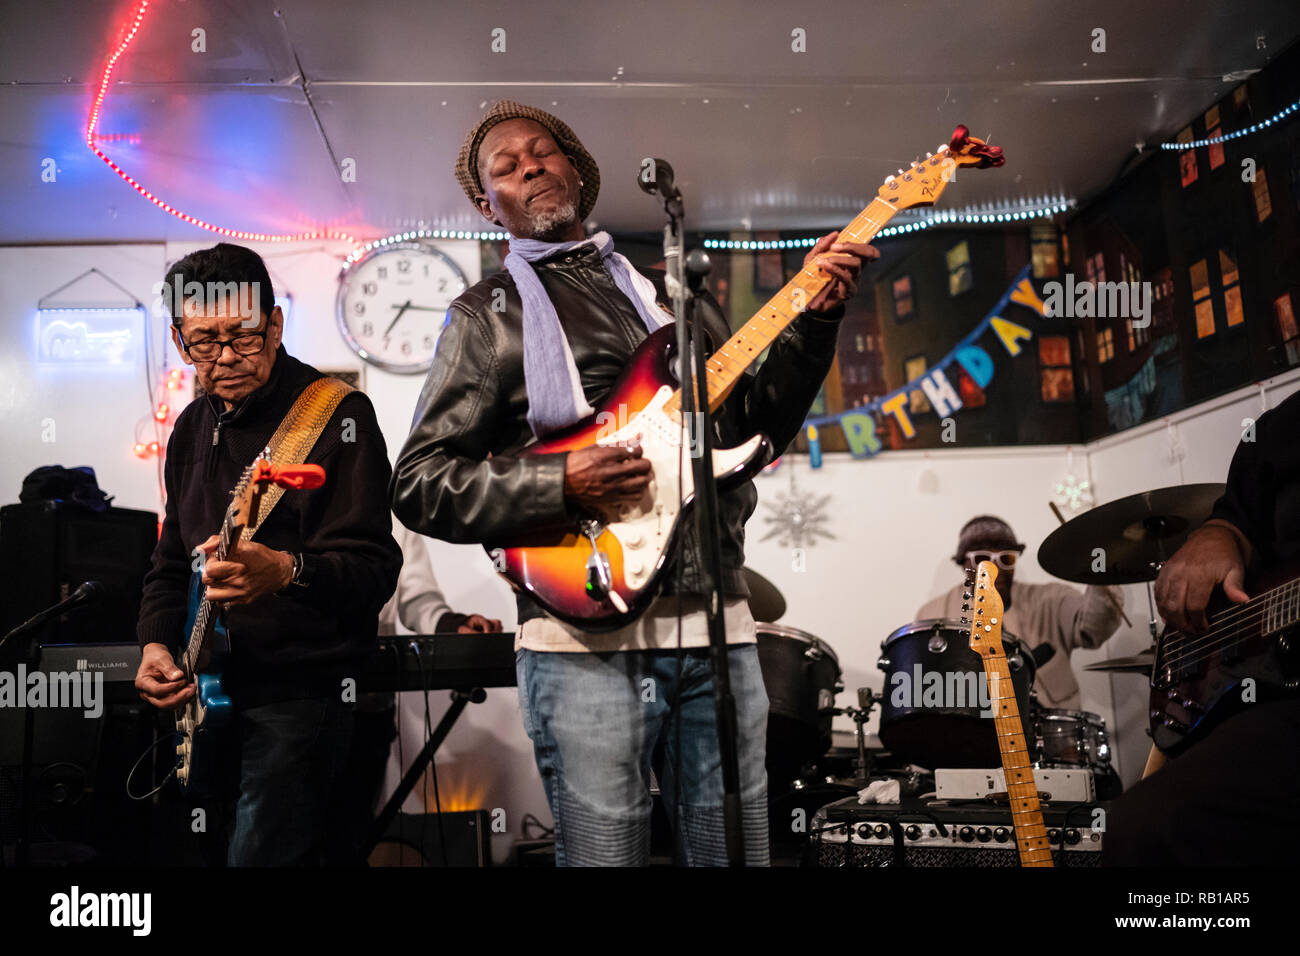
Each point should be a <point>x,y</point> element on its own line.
<point>403,309</point>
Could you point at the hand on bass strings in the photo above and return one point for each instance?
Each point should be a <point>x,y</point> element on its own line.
<point>1213,555</point>
<point>159,681</point>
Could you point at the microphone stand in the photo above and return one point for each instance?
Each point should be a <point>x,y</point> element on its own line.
<point>685,282</point>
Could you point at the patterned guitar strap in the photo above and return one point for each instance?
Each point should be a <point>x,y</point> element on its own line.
<point>297,435</point>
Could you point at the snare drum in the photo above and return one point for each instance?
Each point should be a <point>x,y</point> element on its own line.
<point>802,677</point>
<point>1070,738</point>
<point>934,694</point>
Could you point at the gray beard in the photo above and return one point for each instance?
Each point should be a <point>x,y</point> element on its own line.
<point>547,226</point>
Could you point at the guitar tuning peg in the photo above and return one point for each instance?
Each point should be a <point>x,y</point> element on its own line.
<point>900,172</point>
<point>928,155</point>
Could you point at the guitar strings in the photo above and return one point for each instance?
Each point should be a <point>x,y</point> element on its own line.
<point>1245,614</point>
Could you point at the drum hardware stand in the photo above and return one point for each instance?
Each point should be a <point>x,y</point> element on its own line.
<point>867,701</point>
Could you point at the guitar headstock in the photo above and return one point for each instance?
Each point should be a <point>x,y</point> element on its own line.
<point>926,179</point>
<point>984,609</point>
<point>261,474</point>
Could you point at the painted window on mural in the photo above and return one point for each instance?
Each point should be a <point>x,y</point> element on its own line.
<point>913,369</point>
<point>1286,327</point>
<point>1042,244</point>
<point>1200,275</point>
<point>1186,158</point>
<point>903,298</point>
<point>1056,377</point>
<point>960,278</point>
<point>1105,345</point>
<point>1231,289</point>
<point>1263,203</point>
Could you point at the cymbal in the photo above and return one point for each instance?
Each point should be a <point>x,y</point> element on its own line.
<point>1137,664</point>
<point>766,602</point>
<point>1135,534</point>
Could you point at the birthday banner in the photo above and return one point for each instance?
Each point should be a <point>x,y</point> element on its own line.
<point>859,425</point>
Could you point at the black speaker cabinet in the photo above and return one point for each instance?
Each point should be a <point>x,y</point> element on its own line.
<point>413,839</point>
<point>48,549</point>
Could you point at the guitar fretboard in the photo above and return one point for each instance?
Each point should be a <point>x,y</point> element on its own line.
<point>727,364</point>
<point>1022,791</point>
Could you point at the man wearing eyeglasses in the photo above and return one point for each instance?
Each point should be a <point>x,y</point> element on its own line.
<point>1054,613</point>
<point>302,600</point>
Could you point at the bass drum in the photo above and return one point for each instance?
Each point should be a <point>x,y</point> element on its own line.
<point>934,691</point>
<point>802,677</point>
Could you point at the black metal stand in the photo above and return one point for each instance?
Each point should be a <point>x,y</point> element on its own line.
<point>685,284</point>
<point>31,658</point>
<point>459,699</point>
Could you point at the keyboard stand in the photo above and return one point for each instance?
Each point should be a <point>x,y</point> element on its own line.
<point>459,699</point>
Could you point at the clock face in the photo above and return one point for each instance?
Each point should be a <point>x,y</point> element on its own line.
<point>393,301</point>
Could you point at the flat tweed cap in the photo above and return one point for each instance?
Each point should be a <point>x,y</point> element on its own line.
<point>502,110</point>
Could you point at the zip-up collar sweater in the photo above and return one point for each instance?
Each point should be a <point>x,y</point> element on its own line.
<point>304,640</point>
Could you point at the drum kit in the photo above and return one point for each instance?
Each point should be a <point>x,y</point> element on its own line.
<point>1135,535</point>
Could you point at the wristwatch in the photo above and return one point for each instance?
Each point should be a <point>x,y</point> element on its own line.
<point>296,582</point>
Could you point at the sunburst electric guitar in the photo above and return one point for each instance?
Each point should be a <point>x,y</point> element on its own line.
<point>985,609</point>
<point>601,573</point>
<point>208,643</point>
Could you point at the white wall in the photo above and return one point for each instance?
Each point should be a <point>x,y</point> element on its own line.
<point>895,518</point>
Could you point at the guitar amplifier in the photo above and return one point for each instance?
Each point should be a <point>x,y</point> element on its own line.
<point>48,549</point>
<point>933,833</point>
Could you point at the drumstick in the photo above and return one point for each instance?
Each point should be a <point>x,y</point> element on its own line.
<point>1119,607</point>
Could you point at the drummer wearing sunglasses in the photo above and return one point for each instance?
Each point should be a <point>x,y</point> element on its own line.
<point>1054,614</point>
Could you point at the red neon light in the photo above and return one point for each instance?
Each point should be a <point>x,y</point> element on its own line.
<point>97,106</point>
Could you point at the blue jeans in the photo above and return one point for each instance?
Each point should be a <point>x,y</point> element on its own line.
<point>290,754</point>
<point>596,720</point>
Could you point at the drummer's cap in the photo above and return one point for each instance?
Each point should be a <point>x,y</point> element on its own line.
<point>985,533</point>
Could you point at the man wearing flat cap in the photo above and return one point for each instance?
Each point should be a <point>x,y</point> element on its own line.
<point>532,350</point>
<point>1054,613</point>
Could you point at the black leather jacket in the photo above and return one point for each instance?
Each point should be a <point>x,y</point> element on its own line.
<point>457,477</point>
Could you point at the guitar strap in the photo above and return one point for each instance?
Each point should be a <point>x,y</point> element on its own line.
<point>297,435</point>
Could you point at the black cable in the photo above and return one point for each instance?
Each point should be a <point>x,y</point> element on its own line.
<point>397,724</point>
<point>171,736</point>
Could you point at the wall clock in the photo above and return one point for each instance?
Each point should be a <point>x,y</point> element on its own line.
<point>393,301</point>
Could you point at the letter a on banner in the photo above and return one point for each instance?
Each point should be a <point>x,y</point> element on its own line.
<point>1010,333</point>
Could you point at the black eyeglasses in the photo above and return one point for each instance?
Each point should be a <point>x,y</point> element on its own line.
<point>209,350</point>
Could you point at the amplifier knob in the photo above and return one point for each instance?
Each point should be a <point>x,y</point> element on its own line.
<point>983,834</point>
<point>966,834</point>
<point>864,831</point>
<point>913,832</point>
<point>1053,835</point>
<point>1072,836</point>
<point>882,831</point>
<point>1000,834</point>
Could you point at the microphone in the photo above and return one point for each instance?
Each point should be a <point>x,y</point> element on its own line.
<point>89,592</point>
<point>660,182</point>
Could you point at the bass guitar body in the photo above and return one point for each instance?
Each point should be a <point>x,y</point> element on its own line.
<point>601,573</point>
<point>209,710</point>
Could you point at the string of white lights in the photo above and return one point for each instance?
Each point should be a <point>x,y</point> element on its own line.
<point>968,215</point>
<point>1236,134</point>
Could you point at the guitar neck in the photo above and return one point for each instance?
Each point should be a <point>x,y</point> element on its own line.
<point>1022,791</point>
<point>728,364</point>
